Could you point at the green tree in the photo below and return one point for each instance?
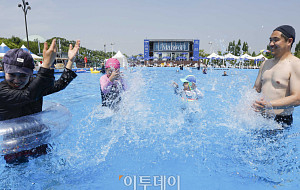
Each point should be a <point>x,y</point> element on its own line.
<point>202,53</point>
<point>230,47</point>
<point>297,50</point>
<point>16,40</point>
<point>245,47</point>
<point>94,56</point>
<point>238,48</point>
<point>233,47</point>
<point>268,54</point>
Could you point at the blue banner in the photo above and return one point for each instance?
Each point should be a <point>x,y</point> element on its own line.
<point>196,49</point>
<point>146,49</point>
<point>171,46</point>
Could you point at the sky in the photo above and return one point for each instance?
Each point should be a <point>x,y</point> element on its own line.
<point>127,23</point>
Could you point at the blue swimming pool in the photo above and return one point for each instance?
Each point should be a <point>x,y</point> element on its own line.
<point>156,141</point>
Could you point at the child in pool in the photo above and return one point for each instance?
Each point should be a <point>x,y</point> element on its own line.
<point>189,91</point>
<point>112,84</point>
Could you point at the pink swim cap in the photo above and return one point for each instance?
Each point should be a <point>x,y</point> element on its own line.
<point>112,62</point>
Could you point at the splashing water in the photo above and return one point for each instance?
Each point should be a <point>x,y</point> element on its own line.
<point>218,138</point>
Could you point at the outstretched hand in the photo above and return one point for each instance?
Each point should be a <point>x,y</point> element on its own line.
<point>72,54</point>
<point>49,54</point>
<point>175,85</point>
<point>73,51</point>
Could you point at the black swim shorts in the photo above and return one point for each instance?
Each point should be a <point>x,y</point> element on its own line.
<point>284,120</point>
<point>23,156</point>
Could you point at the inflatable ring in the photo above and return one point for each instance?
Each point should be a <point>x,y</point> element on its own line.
<point>27,132</point>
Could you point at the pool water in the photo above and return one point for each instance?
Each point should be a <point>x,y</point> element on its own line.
<point>218,142</point>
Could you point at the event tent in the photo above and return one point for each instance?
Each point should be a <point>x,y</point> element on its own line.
<point>25,48</point>
<point>32,54</point>
<point>122,59</point>
<point>3,49</point>
<point>230,56</point>
<point>214,56</point>
<point>246,56</point>
<point>259,57</point>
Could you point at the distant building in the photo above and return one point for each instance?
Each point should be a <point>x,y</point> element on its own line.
<point>171,49</point>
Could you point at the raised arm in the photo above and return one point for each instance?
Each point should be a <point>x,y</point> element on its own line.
<point>49,54</point>
<point>105,84</point>
<point>68,75</point>
<point>43,81</point>
<point>72,54</point>
<point>176,88</point>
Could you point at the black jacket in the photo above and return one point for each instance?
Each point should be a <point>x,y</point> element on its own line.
<point>16,103</point>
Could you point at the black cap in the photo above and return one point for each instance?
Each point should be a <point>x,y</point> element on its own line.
<point>287,30</point>
<point>18,61</point>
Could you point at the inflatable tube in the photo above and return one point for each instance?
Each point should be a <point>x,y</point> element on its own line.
<point>27,132</point>
<point>94,71</point>
<point>81,71</point>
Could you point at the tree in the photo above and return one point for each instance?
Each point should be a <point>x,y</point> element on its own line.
<point>245,47</point>
<point>230,47</point>
<point>297,50</point>
<point>202,53</point>
<point>238,48</point>
<point>92,55</point>
<point>233,46</point>
<point>268,54</point>
<point>16,40</point>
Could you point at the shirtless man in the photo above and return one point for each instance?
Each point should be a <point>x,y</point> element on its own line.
<point>279,78</point>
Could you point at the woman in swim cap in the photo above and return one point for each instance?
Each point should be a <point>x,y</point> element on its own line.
<point>111,84</point>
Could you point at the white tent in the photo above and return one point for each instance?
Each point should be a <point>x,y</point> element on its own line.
<point>213,55</point>
<point>32,54</point>
<point>260,57</point>
<point>122,59</point>
<point>246,56</point>
<point>36,56</point>
<point>231,56</point>
<point>3,49</point>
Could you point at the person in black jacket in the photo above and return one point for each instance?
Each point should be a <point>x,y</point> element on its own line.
<point>22,94</point>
